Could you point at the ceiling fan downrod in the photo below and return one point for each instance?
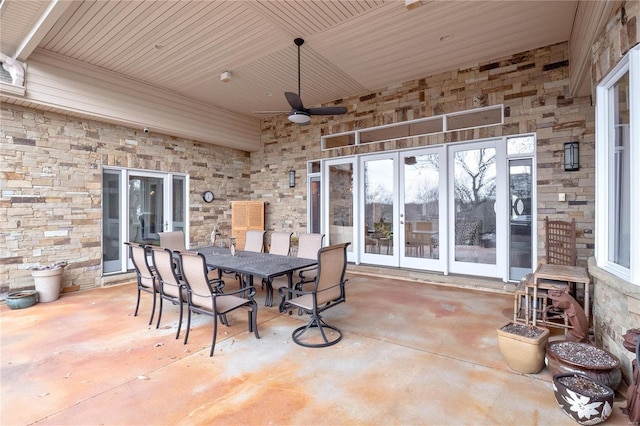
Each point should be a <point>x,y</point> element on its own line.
<point>299,42</point>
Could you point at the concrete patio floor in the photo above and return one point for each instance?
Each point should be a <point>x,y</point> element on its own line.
<point>412,353</point>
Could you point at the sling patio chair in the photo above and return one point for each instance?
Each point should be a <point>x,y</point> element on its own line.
<point>280,245</point>
<point>173,240</point>
<point>171,288</point>
<point>254,241</point>
<point>147,280</point>
<point>308,246</point>
<point>327,292</point>
<point>204,299</point>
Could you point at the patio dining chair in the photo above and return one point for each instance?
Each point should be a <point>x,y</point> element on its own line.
<point>173,240</point>
<point>205,299</point>
<point>147,280</point>
<point>328,291</point>
<point>280,243</point>
<point>254,241</point>
<point>308,246</point>
<point>171,287</point>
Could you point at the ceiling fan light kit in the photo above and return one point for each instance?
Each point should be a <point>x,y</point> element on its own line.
<point>299,117</point>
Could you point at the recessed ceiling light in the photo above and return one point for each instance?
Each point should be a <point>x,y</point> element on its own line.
<point>445,37</point>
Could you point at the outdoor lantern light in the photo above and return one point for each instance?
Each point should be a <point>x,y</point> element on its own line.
<point>292,178</point>
<point>571,156</point>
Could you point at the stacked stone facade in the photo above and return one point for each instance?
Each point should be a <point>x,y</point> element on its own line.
<point>51,199</point>
<point>533,86</point>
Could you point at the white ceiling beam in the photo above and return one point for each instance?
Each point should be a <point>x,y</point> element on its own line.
<point>49,17</point>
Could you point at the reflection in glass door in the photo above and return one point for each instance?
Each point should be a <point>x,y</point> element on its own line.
<point>378,208</point>
<point>111,224</point>
<point>520,218</point>
<point>340,209</point>
<point>146,208</point>
<point>474,210</point>
<point>420,209</point>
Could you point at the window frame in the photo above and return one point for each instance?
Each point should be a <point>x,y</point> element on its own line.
<point>604,174</point>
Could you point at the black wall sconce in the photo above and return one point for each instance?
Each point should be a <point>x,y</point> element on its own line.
<point>571,156</point>
<point>292,178</point>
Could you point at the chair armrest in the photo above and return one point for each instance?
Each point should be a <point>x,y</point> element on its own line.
<point>217,284</point>
<point>250,290</point>
<point>286,291</point>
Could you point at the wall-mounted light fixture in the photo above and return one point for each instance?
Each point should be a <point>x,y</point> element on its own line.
<point>571,156</point>
<point>292,178</point>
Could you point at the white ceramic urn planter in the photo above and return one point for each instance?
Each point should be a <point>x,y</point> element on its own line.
<point>48,281</point>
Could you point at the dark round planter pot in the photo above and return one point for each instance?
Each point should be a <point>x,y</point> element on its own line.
<point>573,357</point>
<point>583,399</point>
<point>21,299</point>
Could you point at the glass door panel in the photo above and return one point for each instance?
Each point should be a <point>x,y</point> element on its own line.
<point>473,238</point>
<point>340,211</point>
<point>178,198</point>
<point>520,218</point>
<point>420,209</point>
<point>379,209</point>
<point>146,208</point>
<point>314,204</point>
<point>112,244</point>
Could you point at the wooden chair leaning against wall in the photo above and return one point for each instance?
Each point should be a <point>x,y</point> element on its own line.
<point>560,249</point>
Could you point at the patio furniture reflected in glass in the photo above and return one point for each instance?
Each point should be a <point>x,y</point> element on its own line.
<point>171,288</point>
<point>173,240</point>
<point>207,299</point>
<point>425,235</point>
<point>147,280</point>
<point>328,291</point>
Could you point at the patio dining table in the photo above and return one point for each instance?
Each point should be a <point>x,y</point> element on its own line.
<point>249,264</point>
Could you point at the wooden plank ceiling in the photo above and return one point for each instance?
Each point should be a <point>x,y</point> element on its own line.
<point>351,47</point>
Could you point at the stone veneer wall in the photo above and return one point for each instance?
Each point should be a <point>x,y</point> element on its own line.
<point>51,171</point>
<point>534,88</point>
<point>616,303</point>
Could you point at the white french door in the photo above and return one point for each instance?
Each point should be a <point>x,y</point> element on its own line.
<point>449,208</point>
<point>477,207</point>
<point>402,200</point>
<point>422,209</point>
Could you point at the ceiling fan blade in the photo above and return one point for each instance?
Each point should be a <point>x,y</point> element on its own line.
<point>327,111</point>
<point>294,100</point>
<point>269,112</point>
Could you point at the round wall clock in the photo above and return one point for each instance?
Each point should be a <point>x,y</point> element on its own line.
<point>207,196</point>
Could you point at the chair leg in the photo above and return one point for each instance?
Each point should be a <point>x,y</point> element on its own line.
<point>180,320</point>
<point>223,319</point>
<point>135,314</point>
<point>316,322</point>
<point>215,332</point>
<point>186,334</point>
<point>159,313</point>
<point>253,319</point>
<point>153,308</point>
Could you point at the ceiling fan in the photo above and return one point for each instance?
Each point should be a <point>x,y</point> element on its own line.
<point>299,114</point>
